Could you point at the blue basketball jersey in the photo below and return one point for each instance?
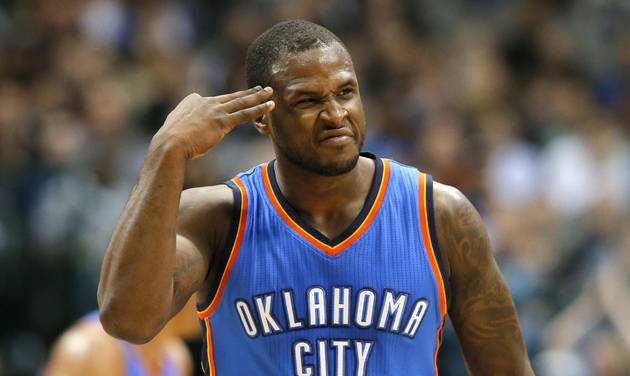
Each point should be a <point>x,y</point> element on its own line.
<point>290,301</point>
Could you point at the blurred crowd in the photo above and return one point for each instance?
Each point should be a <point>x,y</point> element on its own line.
<point>522,105</point>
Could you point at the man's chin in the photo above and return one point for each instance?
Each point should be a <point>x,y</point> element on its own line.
<point>324,162</point>
<point>336,168</point>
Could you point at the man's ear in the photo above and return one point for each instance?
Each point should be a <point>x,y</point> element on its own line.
<point>262,124</point>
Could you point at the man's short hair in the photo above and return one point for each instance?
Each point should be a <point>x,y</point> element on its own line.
<point>285,38</point>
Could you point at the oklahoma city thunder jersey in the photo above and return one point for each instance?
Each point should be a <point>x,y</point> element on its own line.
<point>290,301</point>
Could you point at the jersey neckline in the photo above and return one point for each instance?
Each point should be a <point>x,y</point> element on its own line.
<point>304,229</point>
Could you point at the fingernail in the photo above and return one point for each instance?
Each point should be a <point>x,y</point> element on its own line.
<point>269,89</point>
<point>258,87</point>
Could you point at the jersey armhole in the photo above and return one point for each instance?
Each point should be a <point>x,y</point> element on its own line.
<point>434,239</point>
<point>220,264</point>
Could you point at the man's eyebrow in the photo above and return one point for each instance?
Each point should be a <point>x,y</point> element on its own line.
<point>348,82</point>
<point>302,92</point>
<point>305,92</point>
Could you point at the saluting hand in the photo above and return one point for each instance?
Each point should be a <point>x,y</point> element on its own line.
<point>198,123</point>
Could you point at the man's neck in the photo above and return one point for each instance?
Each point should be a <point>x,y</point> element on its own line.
<point>313,195</point>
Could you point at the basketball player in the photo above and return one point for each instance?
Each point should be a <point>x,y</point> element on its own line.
<point>324,261</point>
<point>86,349</point>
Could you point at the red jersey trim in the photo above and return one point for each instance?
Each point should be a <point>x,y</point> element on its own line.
<point>240,232</point>
<point>330,250</point>
<point>428,243</point>
<point>209,348</point>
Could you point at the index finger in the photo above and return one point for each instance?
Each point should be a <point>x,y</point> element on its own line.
<point>251,113</point>
<point>228,97</point>
<point>246,101</point>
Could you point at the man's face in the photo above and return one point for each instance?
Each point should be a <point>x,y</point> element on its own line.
<point>318,123</point>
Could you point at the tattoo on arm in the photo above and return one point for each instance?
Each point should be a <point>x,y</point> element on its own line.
<point>482,310</point>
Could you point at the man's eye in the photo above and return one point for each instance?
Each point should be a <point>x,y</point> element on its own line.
<point>307,101</point>
<point>345,93</point>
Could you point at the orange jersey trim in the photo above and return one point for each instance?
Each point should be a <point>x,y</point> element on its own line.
<point>240,232</point>
<point>209,348</point>
<point>428,242</point>
<point>334,250</point>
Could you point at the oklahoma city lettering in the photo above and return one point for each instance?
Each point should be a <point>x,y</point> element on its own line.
<point>332,309</point>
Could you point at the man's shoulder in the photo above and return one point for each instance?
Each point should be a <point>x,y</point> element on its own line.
<point>212,197</point>
<point>453,210</point>
<point>457,220</point>
<point>205,213</point>
<point>216,197</point>
<point>447,198</point>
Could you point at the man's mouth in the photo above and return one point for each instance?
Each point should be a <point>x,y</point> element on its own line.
<point>335,137</point>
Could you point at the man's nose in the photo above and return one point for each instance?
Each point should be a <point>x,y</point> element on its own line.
<point>334,113</point>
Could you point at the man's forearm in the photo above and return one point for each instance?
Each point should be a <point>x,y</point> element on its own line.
<point>137,291</point>
<point>136,286</point>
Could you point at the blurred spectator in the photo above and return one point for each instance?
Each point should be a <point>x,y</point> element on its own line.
<point>86,349</point>
<point>595,325</point>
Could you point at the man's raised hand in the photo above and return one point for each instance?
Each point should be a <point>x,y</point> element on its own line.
<point>199,123</point>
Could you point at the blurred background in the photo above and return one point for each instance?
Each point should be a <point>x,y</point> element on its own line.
<point>522,105</point>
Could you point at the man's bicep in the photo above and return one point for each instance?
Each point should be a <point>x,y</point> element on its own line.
<point>201,228</point>
<point>481,309</point>
<point>191,265</point>
<point>486,323</point>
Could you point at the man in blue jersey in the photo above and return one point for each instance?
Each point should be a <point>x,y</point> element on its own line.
<point>325,261</point>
